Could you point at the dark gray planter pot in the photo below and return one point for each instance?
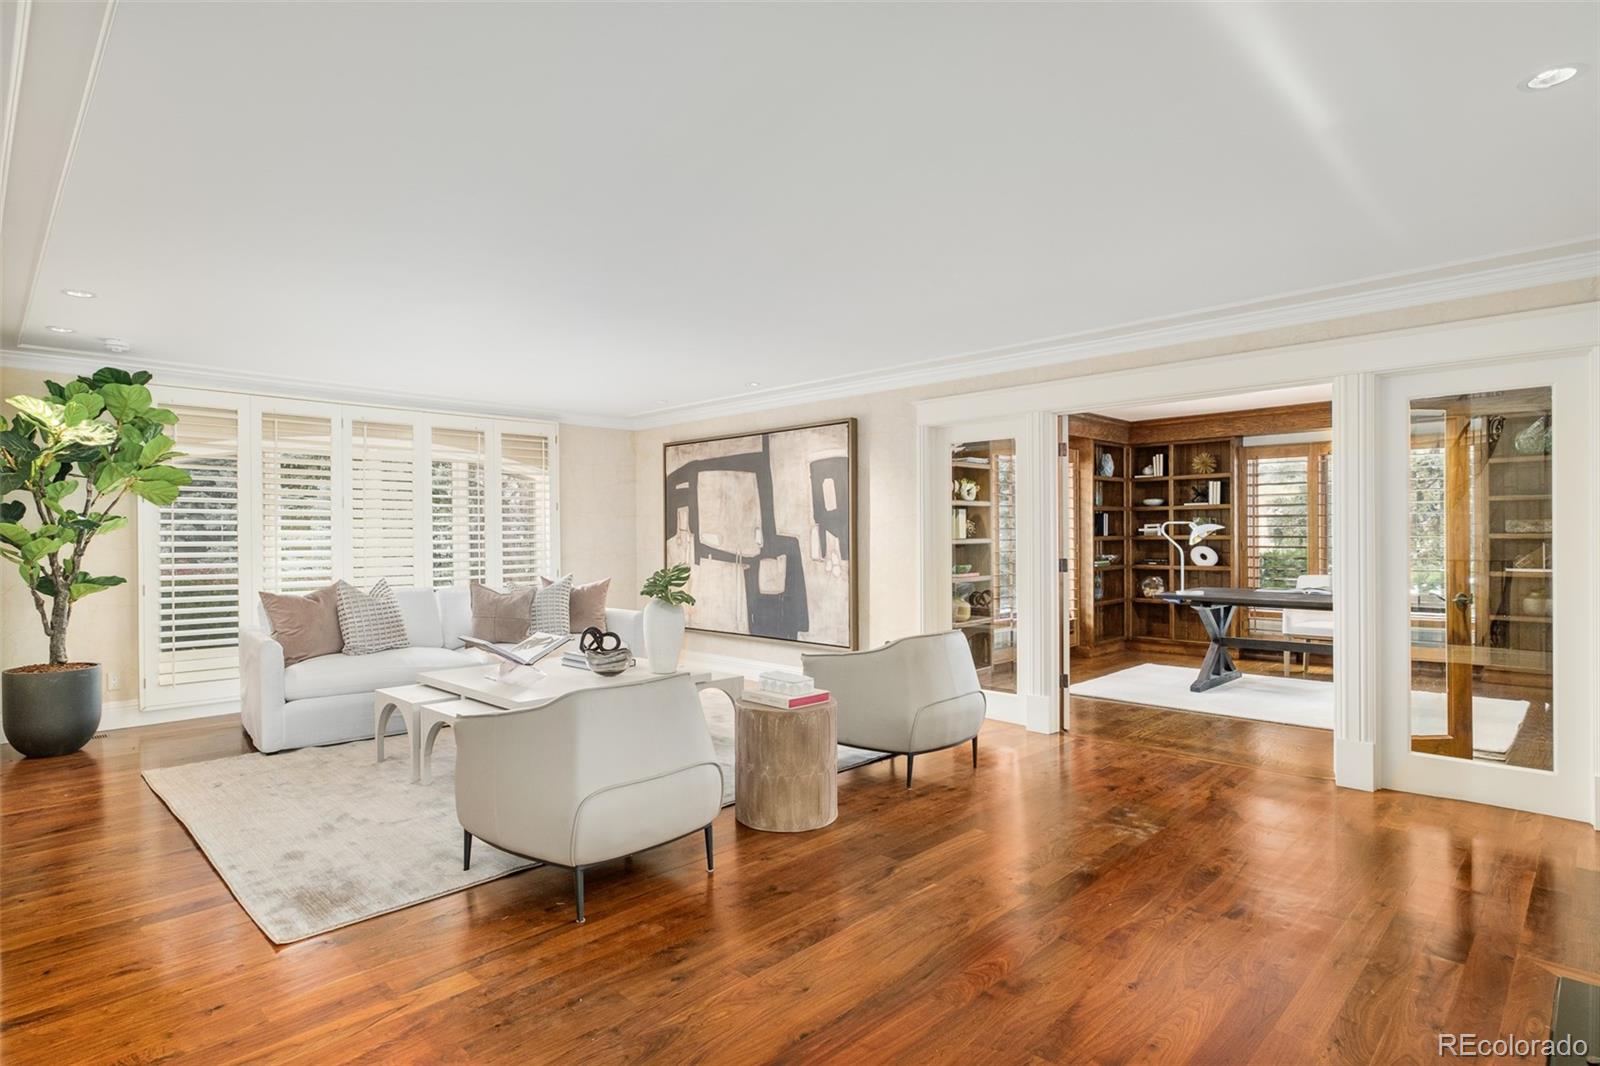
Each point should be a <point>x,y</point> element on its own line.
<point>51,713</point>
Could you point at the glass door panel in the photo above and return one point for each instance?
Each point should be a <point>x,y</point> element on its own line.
<point>1482,577</point>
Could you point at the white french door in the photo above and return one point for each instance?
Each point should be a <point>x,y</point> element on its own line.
<point>1487,620</point>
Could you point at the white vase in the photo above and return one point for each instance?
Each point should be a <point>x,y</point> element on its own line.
<point>663,635</point>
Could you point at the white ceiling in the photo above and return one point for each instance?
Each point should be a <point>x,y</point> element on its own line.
<point>605,210</point>
<point>1216,405</point>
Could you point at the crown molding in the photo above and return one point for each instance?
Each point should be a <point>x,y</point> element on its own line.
<point>68,362</point>
<point>1571,261</point>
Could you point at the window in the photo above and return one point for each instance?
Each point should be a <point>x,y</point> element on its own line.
<point>524,501</point>
<point>383,498</point>
<point>290,495</point>
<point>296,502</point>
<point>1286,519</point>
<point>196,569</point>
<point>460,507</point>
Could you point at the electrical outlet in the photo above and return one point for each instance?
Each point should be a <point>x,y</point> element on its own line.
<point>113,682</point>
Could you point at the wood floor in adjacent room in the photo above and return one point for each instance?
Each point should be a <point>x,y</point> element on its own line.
<point>1071,900</point>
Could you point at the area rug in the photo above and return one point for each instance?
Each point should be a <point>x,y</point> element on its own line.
<point>1262,697</point>
<point>1295,701</point>
<point>312,840</point>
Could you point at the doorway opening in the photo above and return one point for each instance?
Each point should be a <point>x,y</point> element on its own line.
<point>1197,554</point>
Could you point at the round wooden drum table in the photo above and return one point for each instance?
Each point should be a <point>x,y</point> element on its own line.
<point>786,767</point>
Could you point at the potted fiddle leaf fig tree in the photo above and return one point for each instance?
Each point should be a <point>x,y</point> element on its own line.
<point>67,459</point>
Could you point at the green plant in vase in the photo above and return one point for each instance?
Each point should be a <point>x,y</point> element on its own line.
<point>663,616</point>
<point>67,460</point>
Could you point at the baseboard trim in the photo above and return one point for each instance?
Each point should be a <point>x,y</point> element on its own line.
<point>125,714</point>
<point>1355,764</point>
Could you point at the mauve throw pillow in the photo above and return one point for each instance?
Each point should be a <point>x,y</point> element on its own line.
<point>501,617</point>
<point>588,604</point>
<point>307,626</point>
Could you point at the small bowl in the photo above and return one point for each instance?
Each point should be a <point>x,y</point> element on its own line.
<point>1155,502</point>
<point>963,568</point>
<point>609,663</point>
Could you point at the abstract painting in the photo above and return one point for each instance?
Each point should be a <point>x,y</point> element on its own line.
<point>766,524</point>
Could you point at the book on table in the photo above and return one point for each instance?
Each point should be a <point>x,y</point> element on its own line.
<point>785,702</point>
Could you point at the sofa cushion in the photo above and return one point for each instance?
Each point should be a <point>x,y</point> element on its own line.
<point>340,675</point>
<point>501,616</point>
<point>588,607</point>
<point>307,626</point>
<point>455,615</point>
<point>420,610</point>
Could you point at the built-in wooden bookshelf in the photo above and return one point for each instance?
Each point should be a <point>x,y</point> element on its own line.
<point>1517,569</point>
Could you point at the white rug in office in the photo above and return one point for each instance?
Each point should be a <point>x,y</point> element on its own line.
<point>312,840</point>
<point>1294,701</point>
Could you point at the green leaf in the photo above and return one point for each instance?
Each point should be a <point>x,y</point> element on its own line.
<point>44,412</point>
<point>82,407</point>
<point>12,511</point>
<point>111,375</point>
<point>77,388</point>
<point>15,533</point>
<point>55,390</point>
<point>82,585</point>
<point>90,434</point>
<point>159,484</point>
<point>155,448</point>
<point>111,522</point>
<point>142,377</point>
<point>124,401</point>
<point>41,582</point>
<point>110,475</point>
<point>161,416</point>
<point>39,547</point>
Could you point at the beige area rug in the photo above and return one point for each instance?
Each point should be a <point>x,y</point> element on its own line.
<point>315,839</point>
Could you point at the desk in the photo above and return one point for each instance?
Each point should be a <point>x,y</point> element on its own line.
<point>1216,608</point>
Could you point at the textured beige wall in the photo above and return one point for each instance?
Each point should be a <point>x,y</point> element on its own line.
<point>104,627</point>
<point>886,451</point>
<point>597,507</point>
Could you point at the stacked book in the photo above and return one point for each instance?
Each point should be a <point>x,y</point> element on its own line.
<point>1214,491</point>
<point>785,690</point>
<point>575,659</point>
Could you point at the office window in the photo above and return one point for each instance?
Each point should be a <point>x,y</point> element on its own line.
<point>1286,519</point>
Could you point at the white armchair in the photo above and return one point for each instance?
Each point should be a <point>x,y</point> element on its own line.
<point>911,696</point>
<point>594,775</point>
<point>1308,625</point>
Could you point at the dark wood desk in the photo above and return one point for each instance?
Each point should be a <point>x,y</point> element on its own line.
<point>1216,608</point>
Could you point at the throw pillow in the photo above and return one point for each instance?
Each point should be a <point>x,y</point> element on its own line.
<point>588,604</point>
<point>552,610</point>
<point>307,626</point>
<point>501,617</point>
<point>371,620</point>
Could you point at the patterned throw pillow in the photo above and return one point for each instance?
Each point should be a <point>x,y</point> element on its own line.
<point>552,609</point>
<point>370,621</point>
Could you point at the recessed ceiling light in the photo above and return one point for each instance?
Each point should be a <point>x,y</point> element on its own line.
<point>752,384</point>
<point>80,294</point>
<point>115,344</point>
<point>1549,79</point>
<point>61,329</point>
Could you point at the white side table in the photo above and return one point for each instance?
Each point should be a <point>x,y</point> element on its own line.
<point>434,716</point>
<point>409,701</point>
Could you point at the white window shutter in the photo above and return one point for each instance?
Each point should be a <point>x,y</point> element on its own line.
<point>383,491</point>
<point>525,511</point>
<point>197,558</point>
<point>458,465</point>
<point>297,497</point>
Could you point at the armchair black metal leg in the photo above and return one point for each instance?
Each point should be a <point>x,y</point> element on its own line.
<point>909,760</point>
<point>466,850</point>
<point>577,890</point>
<point>710,862</point>
<point>974,753</point>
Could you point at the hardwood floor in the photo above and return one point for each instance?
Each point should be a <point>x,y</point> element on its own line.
<point>1083,899</point>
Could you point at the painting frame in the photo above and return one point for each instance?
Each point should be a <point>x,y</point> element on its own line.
<point>852,504</point>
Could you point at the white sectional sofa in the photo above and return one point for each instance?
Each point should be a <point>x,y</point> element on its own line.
<point>328,700</point>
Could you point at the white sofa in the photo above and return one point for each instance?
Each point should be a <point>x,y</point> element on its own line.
<point>328,700</point>
<point>592,776</point>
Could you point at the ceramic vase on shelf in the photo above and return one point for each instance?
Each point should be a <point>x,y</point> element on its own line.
<point>663,635</point>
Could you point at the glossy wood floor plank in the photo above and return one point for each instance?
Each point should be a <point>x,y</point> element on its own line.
<point>1129,894</point>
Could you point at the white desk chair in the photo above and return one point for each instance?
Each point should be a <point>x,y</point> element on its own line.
<point>1308,625</point>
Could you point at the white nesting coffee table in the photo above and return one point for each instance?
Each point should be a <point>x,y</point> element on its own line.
<point>475,690</point>
<point>409,701</point>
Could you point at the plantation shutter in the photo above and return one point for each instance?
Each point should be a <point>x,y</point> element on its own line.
<point>459,467</point>
<point>383,493</point>
<point>297,513</point>
<point>524,507</point>
<point>197,555</point>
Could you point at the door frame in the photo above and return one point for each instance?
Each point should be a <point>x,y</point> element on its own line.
<point>1354,365</point>
<point>1566,791</point>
